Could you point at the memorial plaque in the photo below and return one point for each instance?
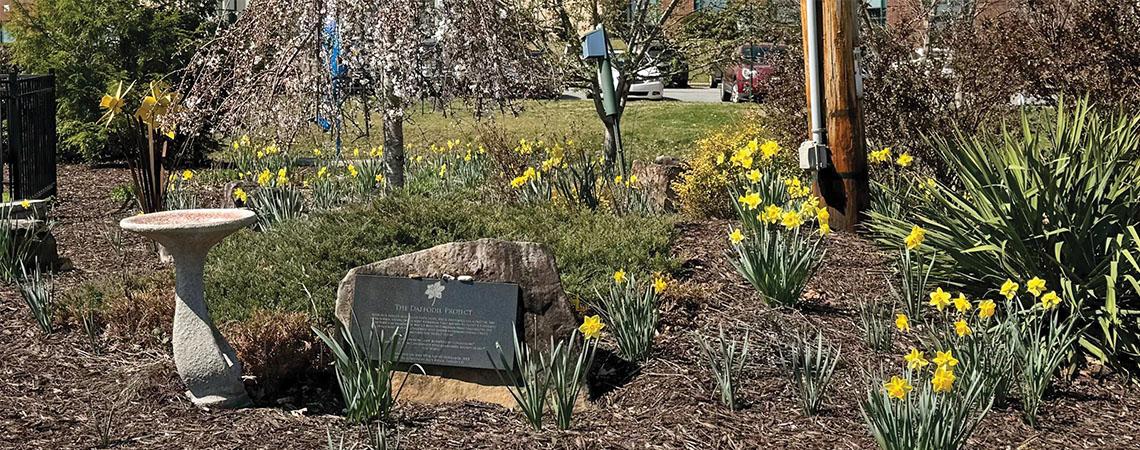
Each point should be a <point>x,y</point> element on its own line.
<point>445,322</point>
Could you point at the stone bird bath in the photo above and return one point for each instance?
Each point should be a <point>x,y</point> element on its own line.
<point>205,361</point>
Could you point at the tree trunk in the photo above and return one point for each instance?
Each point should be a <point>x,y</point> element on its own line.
<point>394,159</point>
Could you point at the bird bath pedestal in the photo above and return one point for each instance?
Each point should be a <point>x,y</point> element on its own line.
<point>205,361</point>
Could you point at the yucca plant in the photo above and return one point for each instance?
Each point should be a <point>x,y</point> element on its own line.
<point>365,370</point>
<point>778,262</point>
<point>39,294</point>
<point>811,367</point>
<point>725,359</point>
<point>527,378</point>
<point>631,312</point>
<point>1054,197</point>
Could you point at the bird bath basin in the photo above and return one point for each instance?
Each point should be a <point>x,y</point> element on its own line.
<point>205,361</point>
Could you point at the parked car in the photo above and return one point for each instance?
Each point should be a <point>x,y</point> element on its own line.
<point>747,74</point>
<point>671,64</point>
<point>648,83</point>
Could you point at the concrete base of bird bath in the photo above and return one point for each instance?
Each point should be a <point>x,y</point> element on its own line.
<point>205,361</point>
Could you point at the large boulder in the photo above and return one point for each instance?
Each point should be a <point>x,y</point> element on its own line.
<point>546,311</point>
<point>657,179</point>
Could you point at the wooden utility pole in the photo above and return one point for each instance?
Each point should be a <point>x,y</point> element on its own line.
<point>843,187</point>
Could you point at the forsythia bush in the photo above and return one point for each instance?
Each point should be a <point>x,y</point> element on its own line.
<point>702,188</point>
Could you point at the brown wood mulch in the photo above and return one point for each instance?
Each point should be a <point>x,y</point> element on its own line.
<point>54,389</point>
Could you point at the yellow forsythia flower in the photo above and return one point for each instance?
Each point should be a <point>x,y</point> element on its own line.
<point>897,387</point>
<point>591,327</point>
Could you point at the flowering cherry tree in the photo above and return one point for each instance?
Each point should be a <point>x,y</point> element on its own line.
<point>287,67</point>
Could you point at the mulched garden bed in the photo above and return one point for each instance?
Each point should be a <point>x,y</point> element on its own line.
<point>53,389</point>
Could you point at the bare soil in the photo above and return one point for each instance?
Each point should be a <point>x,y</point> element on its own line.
<point>54,390</point>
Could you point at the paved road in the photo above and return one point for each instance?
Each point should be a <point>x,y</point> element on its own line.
<point>692,95</point>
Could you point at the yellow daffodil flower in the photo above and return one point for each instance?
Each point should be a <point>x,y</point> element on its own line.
<point>915,360</point>
<point>659,285</point>
<point>619,276</point>
<point>282,177</point>
<point>945,359</point>
<point>962,304</point>
<point>902,322</point>
<point>241,196</point>
<point>264,177</point>
<point>943,379</point>
<point>25,204</point>
<point>187,175</point>
<point>772,213</point>
<point>791,220</point>
<point>897,388</point>
<point>591,327</point>
<point>1009,289</point>
<point>754,176</point>
<point>1035,286</point>
<point>986,309</point>
<point>939,299</point>
<point>770,149</point>
<point>915,238</point>
<point>751,200</point>
<point>962,328</point>
<point>905,160</point>
<point>736,236</point>
<point>352,172</point>
<point>1050,299</point>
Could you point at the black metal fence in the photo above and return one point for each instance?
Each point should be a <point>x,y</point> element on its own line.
<point>27,135</point>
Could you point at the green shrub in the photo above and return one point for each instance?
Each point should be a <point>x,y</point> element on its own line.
<point>1054,199</point>
<point>297,265</point>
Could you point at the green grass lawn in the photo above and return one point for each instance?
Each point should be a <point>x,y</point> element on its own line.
<point>649,128</point>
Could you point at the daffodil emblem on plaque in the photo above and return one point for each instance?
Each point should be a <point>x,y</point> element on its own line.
<point>434,292</point>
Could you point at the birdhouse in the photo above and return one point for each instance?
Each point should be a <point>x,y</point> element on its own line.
<point>594,44</point>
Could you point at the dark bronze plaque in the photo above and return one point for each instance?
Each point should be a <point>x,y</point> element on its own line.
<point>446,322</point>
